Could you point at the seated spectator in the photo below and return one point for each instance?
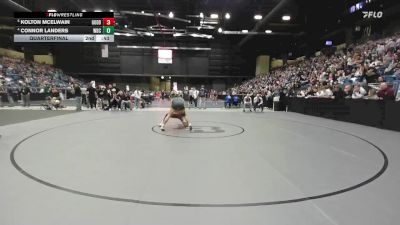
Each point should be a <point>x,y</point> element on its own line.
<point>325,91</point>
<point>359,64</point>
<point>103,97</point>
<point>338,93</point>
<point>385,92</point>
<point>247,103</point>
<point>372,94</point>
<point>301,94</point>
<point>125,103</point>
<point>258,102</point>
<point>348,92</point>
<point>371,75</point>
<point>115,101</point>
<point>358,92</point>
<point>236,101</point>
<point>55,99</point>
<point>228,101</point>
<point>312,92</point>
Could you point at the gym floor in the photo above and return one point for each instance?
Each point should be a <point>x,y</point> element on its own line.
<point>276,168</point>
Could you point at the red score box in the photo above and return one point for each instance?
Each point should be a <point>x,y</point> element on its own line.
<point>108,21</point>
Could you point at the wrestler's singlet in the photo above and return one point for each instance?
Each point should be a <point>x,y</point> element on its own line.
<point>178,103</point>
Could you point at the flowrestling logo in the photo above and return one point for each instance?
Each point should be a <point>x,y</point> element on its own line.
<point>372,14</point>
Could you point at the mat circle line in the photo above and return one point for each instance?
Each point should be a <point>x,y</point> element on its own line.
<point>182,204</point>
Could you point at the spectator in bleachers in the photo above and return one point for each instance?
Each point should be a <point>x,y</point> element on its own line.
<point>358,92</point>
<point>359,64</point>
<point>385,92</point>
<point>325,91</point>
<point>338,93</point>
<point>348,92</point>
<point>372,94</point>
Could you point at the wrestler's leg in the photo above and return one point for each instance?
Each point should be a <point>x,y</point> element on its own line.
<point>185,122</point>
<point>162,122</point>
<point>166,118</point>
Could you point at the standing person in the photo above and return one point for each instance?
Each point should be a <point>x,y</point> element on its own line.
<point>10,95</point>
<point>26,95</point>
<point>162,95</point>
<point>137,94</point>
<point>211,95</point>
<point>91,95</point>
<point>186,93</point>
<point>78,97</point>
<point>177,111</point>
<point>215,97</point>
<point>195,95</point>
<point>191,97</point>
<point>2,91</point>
<point>202,97</point>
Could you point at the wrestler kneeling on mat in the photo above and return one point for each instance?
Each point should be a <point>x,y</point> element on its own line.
<point>177,111</point>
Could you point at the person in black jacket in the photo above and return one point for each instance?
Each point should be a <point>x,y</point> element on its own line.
<point>338,93</point>
<point>26,95</point>
<point>78,96</point>
<point>91,95</point>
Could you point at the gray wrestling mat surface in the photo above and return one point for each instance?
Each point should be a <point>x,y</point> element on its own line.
<point>17,116</point>
<point>274,168</point>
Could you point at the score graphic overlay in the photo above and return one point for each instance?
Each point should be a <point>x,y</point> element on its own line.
<point>64,27</point>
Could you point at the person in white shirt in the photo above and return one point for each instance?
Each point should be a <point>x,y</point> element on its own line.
<point>247,103</point>
<point>325,92</point>
<point>258,103</point>
<point>358,92</point>
<point>195,95</point>
<point>137,95</point>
